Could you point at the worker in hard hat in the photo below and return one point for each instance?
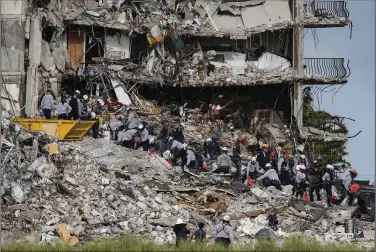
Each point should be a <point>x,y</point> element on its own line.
<point>74,103</point>
<point>263,157</point>
<point>98,109</point>
<point>314,179</point>
<point>303,160</point>
<point>178,133</point>
<point>181,231</point>
<point>144,137</point>
<point>252,168</point>
<point>224,162</point>
<point>236,157</point>
<point>129,127</point>
<point>164,132</point>
<point>347,182</point>
<point>207,147</point>
<point>328,180</point>
<point>283,169</point>
<point>301,180</point>
<point>270,177</point>
<point>85,101</point>
<point>191,158</point>
<point>47,104</point>
<point>223,232</point>
<point>179,151</point>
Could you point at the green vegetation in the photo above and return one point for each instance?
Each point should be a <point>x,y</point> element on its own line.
<point>130,243</point>
<point>331,152</point>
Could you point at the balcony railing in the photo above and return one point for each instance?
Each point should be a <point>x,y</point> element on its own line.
<point>326,9</point>
<point>327,67</point>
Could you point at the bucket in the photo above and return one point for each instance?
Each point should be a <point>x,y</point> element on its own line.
<point>106,135</point>
<point>349,226</point>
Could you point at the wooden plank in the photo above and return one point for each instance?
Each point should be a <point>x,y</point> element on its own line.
<point>76,45</point>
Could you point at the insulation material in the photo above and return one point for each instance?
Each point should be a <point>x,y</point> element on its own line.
<point>121,95</point>
<point>118,46</point>
<point>270,61</point>
<point>272,11</point>
<point>76,45</point>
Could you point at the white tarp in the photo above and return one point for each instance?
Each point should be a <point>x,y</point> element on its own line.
<point>270,61</point>
<point>121,95</point>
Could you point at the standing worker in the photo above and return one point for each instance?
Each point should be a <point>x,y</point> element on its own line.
<point>181,231</point>
<point>300,180</point>
<point>314,181</point>
<point>223,232</point>
<point>47,104</point>
<point>236,158</point>
<point>74,103</point>
<point>328,180</point>
<point>346,191</point>
<point>63,109</point>
<point>178,134</point>
<point>200,234</point>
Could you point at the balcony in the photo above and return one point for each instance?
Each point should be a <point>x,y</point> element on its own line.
<point>325,14</point>
<point>326,70</point>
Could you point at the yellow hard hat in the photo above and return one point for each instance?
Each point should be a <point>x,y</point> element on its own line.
<point>265,146</point>
<point>291,156</point>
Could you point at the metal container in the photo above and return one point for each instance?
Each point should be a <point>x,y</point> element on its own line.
<point>350,226</point>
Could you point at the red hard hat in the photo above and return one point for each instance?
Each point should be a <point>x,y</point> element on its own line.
<point>272,154</point>
<point>355,173</point>
<point>240,139</point>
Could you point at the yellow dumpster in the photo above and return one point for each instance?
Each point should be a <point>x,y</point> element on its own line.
<point>62,129</point>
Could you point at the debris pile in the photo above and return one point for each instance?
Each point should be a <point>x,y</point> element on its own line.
<point>94,188</point>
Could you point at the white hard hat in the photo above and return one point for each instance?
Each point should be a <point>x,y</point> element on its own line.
<point>185,145</point>
<point>140,126</point>
<point>101,102</point>
<point>179,221</point>
<point>224,149</point>
<point>151,140</point>
<point>77,91</point>
<point>302,156</point>
<point>226,218</point>
<point>170,138</point>
<point>298,168</point>
<point>218,107</point>
<point>330,167</point>
<point>268,165</point>
<point>183,125</point>
<point>85,97</point>
<point>93,115</point>
<point>208,140</point>
<point>253,159</point>
<point>302,167</point>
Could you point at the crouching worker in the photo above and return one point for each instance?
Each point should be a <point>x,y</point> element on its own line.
<point>191,158</point>
<point>223,233</point>
<point>224,162</point>
<point>252,168</point>
<point>270,177</point>
<point>144,134</point>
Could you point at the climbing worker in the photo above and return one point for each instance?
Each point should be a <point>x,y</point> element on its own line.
<point>263,157</point>
<point>236,157</point>
<point>63,109</point>
<point>283,170</point>
<point>181,231</point>
<point>223,233</point>
<point>270,177</point>
<point>300,180</point>
<point>200,234</point>
<point>347,182</point>
<point>224,162</point>
<point>328,180</point>
<point>178,134</point>
<point>47,104</point>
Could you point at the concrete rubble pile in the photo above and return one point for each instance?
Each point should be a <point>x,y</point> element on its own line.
<point>94,188</point>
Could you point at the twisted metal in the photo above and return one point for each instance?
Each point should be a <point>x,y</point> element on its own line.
<point>326,9</point>
<point>327,67</point>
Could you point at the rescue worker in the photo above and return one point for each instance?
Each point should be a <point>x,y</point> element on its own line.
<point>314,180</point>
<point>74,103</point>
<point>328,180</point>
<point>223,233</point>
<point>180,151</point>
<point>85,101</point>
<point>98,109</point>
<point>144,134</point>
<point>300,181</point>
<point>191,158</point>
<point>236,158</point>
<point>215,149</point>
<point>270,177</point>
<point>251,171</point>
<point>347,182</point>
<point>200,234</point>
<point>283,170</point>
<point>207,148</point>
<point>47,104</point>
<point>131,120</point>
<point>178,134</point>
<point>181,231</point>
<point>224,162</point>
<point>63,109</point>
<point>274,161</point>
<point>263,157</point>
<point>129,127</point>
<point>292,170</point>
<point>303,161</point>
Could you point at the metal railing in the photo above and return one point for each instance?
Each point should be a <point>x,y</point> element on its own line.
<point>326,9</point>
<point>327,67</point>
